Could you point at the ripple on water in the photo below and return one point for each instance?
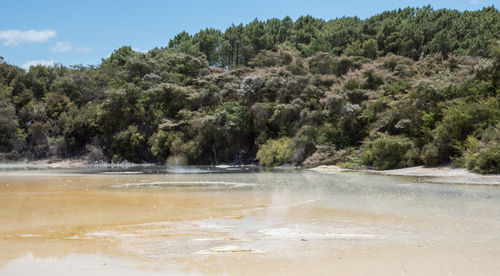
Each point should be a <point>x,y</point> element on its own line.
<point>187,184</point>
<point>308,232</point>
<point>228,249</point>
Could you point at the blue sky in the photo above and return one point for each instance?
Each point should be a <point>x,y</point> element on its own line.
<point>83,32</point>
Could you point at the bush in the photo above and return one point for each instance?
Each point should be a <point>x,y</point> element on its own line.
<point>129,144</point>
<point>37,139</point>
<point>459,121</point>
<point>174,145</point>
<point>487,160</point>
<point>328,154</point>
<point>298,67</point>
<point>482,156</point>
<point>304,141</point>
<point>321,63</point>
<point>430,155</point>
<point>276,152</point>
<point>95,153</point>
<point>8,126</point>
<point>370,48</point>
<point>265,59</point>
<point>390,152</point>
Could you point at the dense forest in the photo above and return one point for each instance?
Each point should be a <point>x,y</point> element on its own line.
<point>402,88</point>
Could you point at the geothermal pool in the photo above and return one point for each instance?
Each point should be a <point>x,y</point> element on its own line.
<point>242,221</point>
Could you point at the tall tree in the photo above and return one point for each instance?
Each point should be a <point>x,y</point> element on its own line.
<point>209,41</point>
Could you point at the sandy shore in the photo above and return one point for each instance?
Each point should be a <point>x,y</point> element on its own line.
<point>330,169</point>
<point>61,163</point>
<point>441,174</point>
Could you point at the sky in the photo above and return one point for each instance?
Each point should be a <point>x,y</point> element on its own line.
<point>83,32</point>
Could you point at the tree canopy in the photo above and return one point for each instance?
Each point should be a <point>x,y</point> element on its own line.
<point>405,87</point>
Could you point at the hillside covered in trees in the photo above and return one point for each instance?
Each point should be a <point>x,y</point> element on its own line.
<point>405,87</point>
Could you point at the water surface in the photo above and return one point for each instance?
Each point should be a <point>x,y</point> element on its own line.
<point>242,221</point>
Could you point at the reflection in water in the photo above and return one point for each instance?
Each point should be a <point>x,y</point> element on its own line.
<point>226,220</point>
<point>82,264</point>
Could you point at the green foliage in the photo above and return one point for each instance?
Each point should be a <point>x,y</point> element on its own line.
<point>119,57</point>
<point>482,156</point>
<point>306,92</point>
<point>460,120</point>
<point>390,152</point>
<point>208,41</point>
<point>409,32</point>
<point>37,139</point>
<point>276,152</point>
<point>370,48</point>
<point>431,155</point>
<point>8,126</point>
<point>78,126</point>
<point>160,144</point>
<point>129,144</point>
<point>487,160</point>
<point>183,43</point>
<point>172,146</point>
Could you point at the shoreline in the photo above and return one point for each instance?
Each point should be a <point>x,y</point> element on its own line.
<point>72,163</point>
<point>440,174</point>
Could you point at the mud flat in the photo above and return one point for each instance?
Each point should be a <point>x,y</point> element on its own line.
<point>442,174</point>
<point>446,174</point>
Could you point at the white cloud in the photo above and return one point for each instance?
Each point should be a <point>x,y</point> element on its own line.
<point>473,2</point>
<point>66,46</point>
<point>62,46</point>
<point>28,64</point>
<point>83,49</point>
<point>14,37</point>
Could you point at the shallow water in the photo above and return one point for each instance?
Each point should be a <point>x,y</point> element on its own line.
<point>242,221</point>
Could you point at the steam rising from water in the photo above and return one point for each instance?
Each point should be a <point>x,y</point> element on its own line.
<point>158,217</point>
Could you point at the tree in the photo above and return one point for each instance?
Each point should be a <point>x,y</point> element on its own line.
<point>8,126</point>
<point>179,40</point>
<point>208,41</point>
<point>120,56</point>
<point>370,48</point>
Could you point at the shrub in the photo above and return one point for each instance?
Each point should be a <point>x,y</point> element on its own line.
<point>390,152</point>
<point>8,126</point>
<point>324,155</point>
<point>57,146</point>
<point>327,154</point>
<point>370,48</point>
<point>343,65</point>
<point>266,59</point>
<point>373,80</point>
<point>430,155</point>
<point>129,144</point>
<point>37,139</point>
<point>261,113</point>
<point>95,153</point>
<point>321,63</point>
<point>461,120</point>
<point>482,156</point>
<point>298,67</point>
<point>276,152</point>
<point>487,160</point>
<point>304,141</point>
